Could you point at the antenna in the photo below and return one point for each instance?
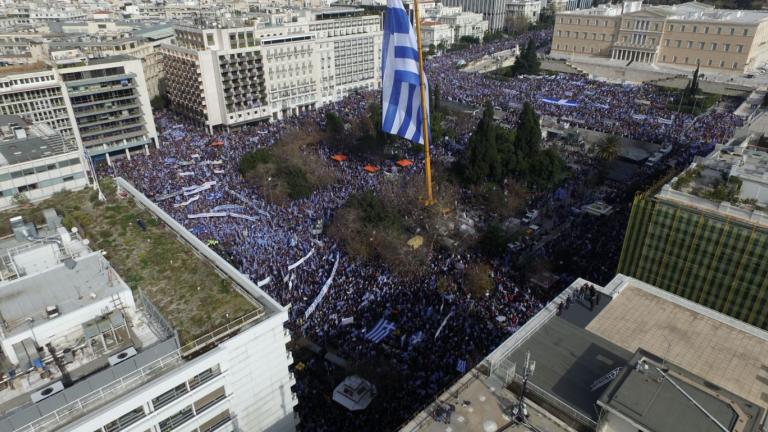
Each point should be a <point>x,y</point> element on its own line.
<point>520,410</point>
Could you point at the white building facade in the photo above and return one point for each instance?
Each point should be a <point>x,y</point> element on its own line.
<point>231,76</point>
<point>493,11</point>
<point>461,23</point>
<point>110,103</point>
<point>528,9</point>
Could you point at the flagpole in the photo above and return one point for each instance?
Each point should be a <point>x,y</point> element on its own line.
<point>424,102</point>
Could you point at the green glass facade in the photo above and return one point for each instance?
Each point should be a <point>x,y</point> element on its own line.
<point>718,262</point>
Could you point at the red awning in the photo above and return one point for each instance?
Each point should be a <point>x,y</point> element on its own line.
<point>371,168</point>
<point>404,163</point>
<point>339,157</point>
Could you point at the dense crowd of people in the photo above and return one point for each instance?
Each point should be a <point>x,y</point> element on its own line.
<point>433,329</point>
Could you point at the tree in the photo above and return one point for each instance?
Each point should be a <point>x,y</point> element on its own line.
<point>20,199</point>
<point>527,63</point>
<point>470,40</point>
<point>482,160</point>
<point>608,148</point>
<point>158,103</point>
<point>528,136</point>
<point>333,123</point>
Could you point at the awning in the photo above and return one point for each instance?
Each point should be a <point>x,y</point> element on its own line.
<point>371,168</point>
<point>404,163</point>
<point>339,157</point>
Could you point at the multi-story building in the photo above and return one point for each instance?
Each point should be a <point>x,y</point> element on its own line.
<point>99,40</point>
<point>239,74</point>
<point>82,351</point>
<point>36,94</point>
<point>640,359</point>
<point>435,33</point>
<point>704,235</point>
<point>460,22</point>
<point>36,161</point>
<point>493,11</point>
<point>686,35</point>
<point>110,103</point>
<point>528,10</point>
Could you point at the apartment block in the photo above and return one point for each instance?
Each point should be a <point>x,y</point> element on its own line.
<point>229,76</point>
<point>110,103</point>
<point>685,35</point>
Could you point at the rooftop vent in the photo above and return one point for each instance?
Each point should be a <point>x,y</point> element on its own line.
<point>52,311</point>
<point>47,392</point>
<point>122,356</point>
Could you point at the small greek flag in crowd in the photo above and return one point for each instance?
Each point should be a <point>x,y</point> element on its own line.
<point>401,97</point>
<point>381,330</point>
<point>461,366</point>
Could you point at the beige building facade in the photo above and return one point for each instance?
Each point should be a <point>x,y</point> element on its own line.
<point>686,35</point>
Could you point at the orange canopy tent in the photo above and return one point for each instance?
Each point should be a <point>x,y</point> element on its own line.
<point>404,163</point>
<point>217,143</point>
<point>339,157</point>
<point>371,168</point>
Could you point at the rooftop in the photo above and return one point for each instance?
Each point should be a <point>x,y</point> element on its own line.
<point>22,142</point>
<point>148,297</point>
<point>731,180</point>
<point>586,357</point>
<point>191,290</point>
<point>657,394</point>
<point>717,348</point>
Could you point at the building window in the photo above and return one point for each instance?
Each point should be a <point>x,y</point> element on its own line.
<point>690,44</point>
<point>701,45</point>
<point>695,29</point>
<point>706,30</point>
<point>726,47</point>
<point>709,62</point>
<point>722,64</point>
<point>666,42</point>
<point>686,60</point>
<point>682,28</point>
<point>714,46</point>
<point>735,65</point>
<point>733,31</point>
<point>169,396</point>
<point>677,44</point>
<point>125,420</point>
<point>739,48</point>
<point>746,32</point>
<point>671,27</point>
<point>176,420</point>
<point>674,59</point>
<point>664,58</point>
<point>719,30</point>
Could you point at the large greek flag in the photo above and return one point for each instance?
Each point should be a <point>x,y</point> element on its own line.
<point>401,99</point>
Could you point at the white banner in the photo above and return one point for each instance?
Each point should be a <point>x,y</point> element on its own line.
<point>323,290</point>
<point>191,190</point>
<point>443,324</point>
<point>186,174</point>
<point>301,261</point>
<point>187,202</point>
<point>242,216</point>
<point>207,215</point>
<point>264,281</point>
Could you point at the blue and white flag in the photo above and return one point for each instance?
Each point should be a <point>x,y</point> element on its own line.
<point>381,330</point>
<point>401,97</point>
<point>562,102</point>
